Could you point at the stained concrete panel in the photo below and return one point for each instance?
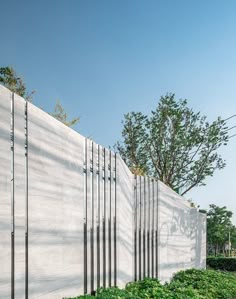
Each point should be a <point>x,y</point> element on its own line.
<point>55,207</point>
<point>19,194</point>
<point>5,193</point>
<point>174,233</point>
<point>125,206</point>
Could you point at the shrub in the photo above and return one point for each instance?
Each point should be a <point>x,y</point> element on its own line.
<point>222,263</point>
<point>147,288</point>
<point>114,293</point>
<point>189,284</point>
<point>209,284</point>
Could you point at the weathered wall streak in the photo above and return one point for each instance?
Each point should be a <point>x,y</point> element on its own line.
<point>5,193</point>
<point>182,234</point>
<point>73,217</point>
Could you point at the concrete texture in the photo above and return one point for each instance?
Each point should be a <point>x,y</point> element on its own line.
<point>146,227</point>
<point>89,221</point>
<point>125,247</point>
<point>55,207</point>
<point>174,233</point>
<point>5,191</point>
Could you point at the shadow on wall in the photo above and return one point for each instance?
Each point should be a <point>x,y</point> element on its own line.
<point>181,236</point>
<point>58,196</point>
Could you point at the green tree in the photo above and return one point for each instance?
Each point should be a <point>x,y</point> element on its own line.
<point>60,114</point>
<point>233,238</point>
<point>10,79</point>
<point>218,227</point>
<point>174,144</point>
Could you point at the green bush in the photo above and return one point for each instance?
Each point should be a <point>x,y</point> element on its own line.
<point>222,263</point>
<point>114,293</point>
<point>189,284</point>
<point>147,288</point>
<point>209,284</point>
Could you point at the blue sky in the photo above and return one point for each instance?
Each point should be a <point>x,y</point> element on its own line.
<point>102,59</point>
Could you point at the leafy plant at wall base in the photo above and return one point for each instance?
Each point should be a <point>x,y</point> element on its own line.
<point>189,284</point>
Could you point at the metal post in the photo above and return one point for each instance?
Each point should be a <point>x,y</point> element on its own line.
<point>85,217</point>
<point>12,137</point>
<point>26,203</point>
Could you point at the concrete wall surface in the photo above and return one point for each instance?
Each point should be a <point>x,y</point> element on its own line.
<point>73,217</point>
<point>182,234</point>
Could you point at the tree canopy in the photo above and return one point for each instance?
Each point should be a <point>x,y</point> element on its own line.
<point>10,79</point>
<point>219,226</point>
<point>173,143</point>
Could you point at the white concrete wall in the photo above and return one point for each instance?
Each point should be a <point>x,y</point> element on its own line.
<point>125,248</point>
<point>19,195</point>
<point>67,176</point>
<point>56,203</point>
<point>146,227</point>
<point>5,193</point>
<point>182,234</point>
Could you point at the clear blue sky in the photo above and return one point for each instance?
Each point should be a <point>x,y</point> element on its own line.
<point>105,58</point>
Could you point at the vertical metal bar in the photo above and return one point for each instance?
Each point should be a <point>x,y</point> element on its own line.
<point>12,137</point>
<point>140,234</point>
<point>101,161</point>
<point>135,228</point>
<point>153,218</point>
<point>109,222</point>
<point>148,230</point>
<point>92,220</point>
<point>26,203</point>
<point>104,217</point>
<point>98,216</point>
<point>115,204</point>
<point>144,227</point>
<point>85,216</point>
<point>157,220</point>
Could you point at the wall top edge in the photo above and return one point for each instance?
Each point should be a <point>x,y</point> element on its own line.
<point>4,91</point>
<point>179,197</point>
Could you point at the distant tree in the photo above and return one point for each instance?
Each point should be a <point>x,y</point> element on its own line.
<point>174,144</point>
<point>60,114</point>
<point>233,238</point>
<point>10,79</point>
<point>218,227</point>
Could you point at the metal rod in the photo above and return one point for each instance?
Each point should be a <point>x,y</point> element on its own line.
<point>135,229</point>
<point>26,204</point>
<point>140,195</point>
<point>109,222</point>
<point>12,138</point>
<point>115,250</point>
<point>92,220</point>
<point>85,217</point>
<point>144,227</point>
<point>153,218</point>
<point>148,231</point>
<point>157,219</point>
<point>98,216</point>
<point>104,217</point>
